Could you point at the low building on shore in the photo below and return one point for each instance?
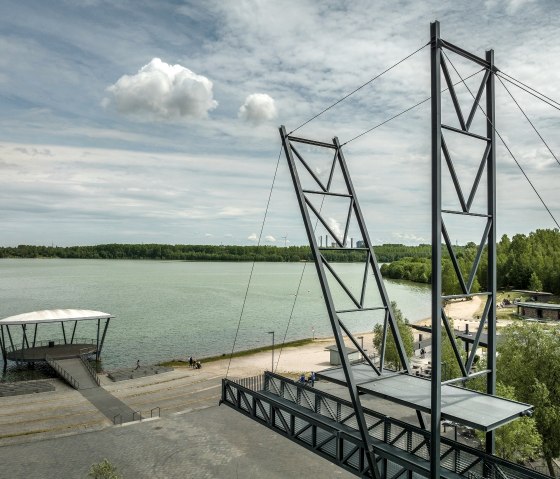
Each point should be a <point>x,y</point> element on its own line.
<point>539,311</point>
<point>537,296</point>
<point>353,355</point>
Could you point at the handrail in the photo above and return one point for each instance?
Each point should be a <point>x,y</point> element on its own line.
<point>134,415</point>
<point>89,367</point>
<point>153,409</point>
<point>62,372</point>
<point>115,419</point>
<point>46,342</point>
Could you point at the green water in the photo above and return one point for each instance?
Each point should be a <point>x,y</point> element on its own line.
<point>171,309</point>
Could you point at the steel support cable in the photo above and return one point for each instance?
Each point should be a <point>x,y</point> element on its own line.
<point>359,88</point>
<point>528,89</point>
<point>530,122</point>
<point>254,260</point>
<point>296,295</point>
<point>404,111</point>
<point>504,143</point>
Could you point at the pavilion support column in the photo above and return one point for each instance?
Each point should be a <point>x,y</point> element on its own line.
<point>97,341</point>
<point>24,327</point>
<point>3,344</point>
<point>10,338</point>
<point>23,339</point>
<point>35,335</point>
<point>73,332</point>
<point>63,332</point>
<point>103,338</point>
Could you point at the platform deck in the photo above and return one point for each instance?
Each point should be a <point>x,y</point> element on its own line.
<point>58,351</point>
<point>471,408</point>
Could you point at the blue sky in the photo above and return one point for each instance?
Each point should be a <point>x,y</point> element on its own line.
<point>136,121</point>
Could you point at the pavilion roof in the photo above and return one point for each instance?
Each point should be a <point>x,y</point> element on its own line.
<point>54,315</point>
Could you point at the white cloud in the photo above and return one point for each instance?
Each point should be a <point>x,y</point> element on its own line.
<point>253,237</point>
<point>162,91</point>
<point>511,6</point>
<point>410,238</point>
<point>258,108</point>
<point>335,227</point>
<point>270,239</point>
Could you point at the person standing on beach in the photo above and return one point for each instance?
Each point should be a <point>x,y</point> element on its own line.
<point>137,364</point>
<point>312,378</point>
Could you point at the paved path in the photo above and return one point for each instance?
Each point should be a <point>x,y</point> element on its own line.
<point>213,442</point>
<point>113,408</point>
<point>67,411</point>
<point>76,369</point>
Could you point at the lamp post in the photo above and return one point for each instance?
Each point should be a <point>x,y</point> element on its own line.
<point>361,338</point>
<point>272,332</point>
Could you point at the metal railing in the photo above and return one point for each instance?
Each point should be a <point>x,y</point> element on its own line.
<point>136,416</point>
<point>62,372</point>
<point>47,342</point>
<point>403,438</point>
<point>89,367</point>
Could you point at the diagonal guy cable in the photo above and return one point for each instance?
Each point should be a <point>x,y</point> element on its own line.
<point>359,88</point>
<point>405,111</point>
<point>528,89</point>
<point>504,143</point>
<point>296,295</point>
<point>530,122</point>
<point>253,266</point>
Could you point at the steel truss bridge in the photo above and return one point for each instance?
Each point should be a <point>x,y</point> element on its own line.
<point>354,437</point>
<point>326,425</point>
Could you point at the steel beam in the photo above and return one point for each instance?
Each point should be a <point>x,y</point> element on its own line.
<point>333,318</point>
<point>435,416</point>
<point>492,255</point>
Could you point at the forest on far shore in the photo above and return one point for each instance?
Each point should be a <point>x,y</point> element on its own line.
<point>523,262</point>
<point>385,253</point>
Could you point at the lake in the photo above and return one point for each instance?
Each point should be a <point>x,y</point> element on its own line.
<point>170,309</point>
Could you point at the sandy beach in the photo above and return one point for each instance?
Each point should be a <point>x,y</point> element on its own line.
<point>462,312</point>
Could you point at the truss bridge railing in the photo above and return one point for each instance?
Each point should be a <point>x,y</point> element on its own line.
<point>326,425</point>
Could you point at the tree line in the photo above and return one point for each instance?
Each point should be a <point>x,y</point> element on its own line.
<point>384,253</point>
<point>523,262</point>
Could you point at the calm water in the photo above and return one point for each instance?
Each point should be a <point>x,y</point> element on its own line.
<point>171,309</point>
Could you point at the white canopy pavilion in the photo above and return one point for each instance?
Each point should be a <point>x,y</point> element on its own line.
<point>32,350</point>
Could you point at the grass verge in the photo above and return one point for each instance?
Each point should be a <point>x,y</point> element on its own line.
<point>238,354</point>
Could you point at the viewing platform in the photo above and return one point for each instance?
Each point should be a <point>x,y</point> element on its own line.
<point>55,349</point>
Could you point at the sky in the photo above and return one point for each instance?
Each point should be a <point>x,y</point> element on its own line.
<point>131,121</point>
